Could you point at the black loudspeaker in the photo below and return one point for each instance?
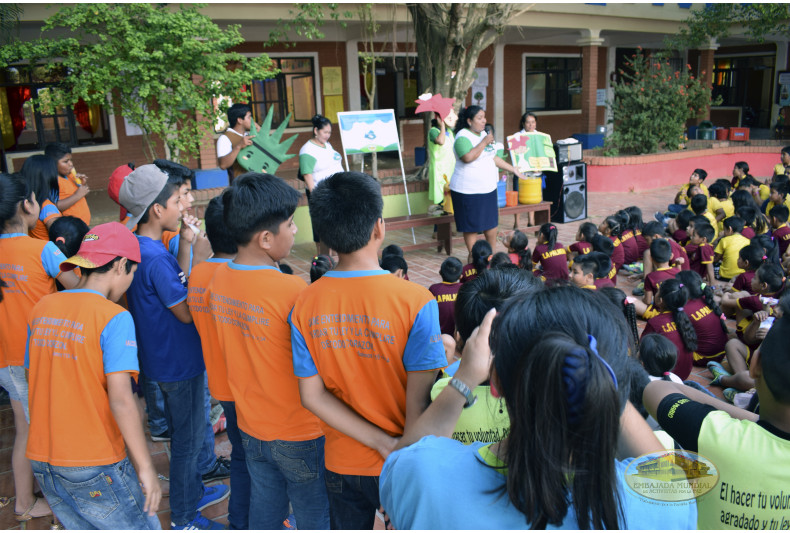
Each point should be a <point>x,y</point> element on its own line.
<point>566,189</point>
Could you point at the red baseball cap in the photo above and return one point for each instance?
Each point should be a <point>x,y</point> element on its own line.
<point>102,244</point>
<point>116,180</point>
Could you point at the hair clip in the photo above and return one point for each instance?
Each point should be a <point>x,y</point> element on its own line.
<point>61,239</point>
<point>680,309</point>
<point>625,301</point>
<point>703,285</point>
<point>552,227</point>
<point>315,258</point>
<point>680,285</point>
<point>666,373</point>
<point>723,317</point>
<point>765,257</point>
<point>594,349</point>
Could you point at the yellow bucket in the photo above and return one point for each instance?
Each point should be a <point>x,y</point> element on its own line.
<point>529,191</point>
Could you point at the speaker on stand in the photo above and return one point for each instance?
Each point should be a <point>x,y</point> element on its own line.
<point>566,189</point>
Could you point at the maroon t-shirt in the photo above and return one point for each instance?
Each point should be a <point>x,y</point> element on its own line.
<point>711,337</point>
<point>655,278</point>
<point>468,273</point>
<point>618,255</point>
<point>630,247</point>
<point>641,243</point>
<point>678,251</point>
<point>581,247</point>
<point>743,281</point>
<point>781,236</point>
<point>681,236</point>
<point>748,233</point>
<point>554,262</point>
<point>664,324</point>
<point>600,283</point>
<point>699,257</point>
<point>445,294</point>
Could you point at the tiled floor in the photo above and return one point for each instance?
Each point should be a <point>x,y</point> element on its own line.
<point>423,269</point>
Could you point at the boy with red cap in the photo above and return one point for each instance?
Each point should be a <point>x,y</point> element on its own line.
<point>81,351</point>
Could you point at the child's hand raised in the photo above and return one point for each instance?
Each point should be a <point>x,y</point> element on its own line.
<point>475,364</point>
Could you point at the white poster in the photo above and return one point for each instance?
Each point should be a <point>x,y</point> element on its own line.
<point>364,132</point>
<point>131,128</point>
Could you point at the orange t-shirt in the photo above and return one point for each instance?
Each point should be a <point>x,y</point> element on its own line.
<point>256,340</point>
<point>362,332</point>
<point>29,267</point>
<point>67,188</point>
<point>77,338</point>
<point>212,352</point>
<point>49,211</point>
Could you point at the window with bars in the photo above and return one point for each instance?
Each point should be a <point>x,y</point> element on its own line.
<point>29,121</point>
<point>553,83</point>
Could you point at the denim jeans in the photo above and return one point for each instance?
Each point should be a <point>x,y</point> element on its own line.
<point>353,500</point>
<point>207,457</point>
<point>154,405</point>
<point>95,497</point>
<point>286,470</point>
<point>239,506</point>
<point>186,417</point>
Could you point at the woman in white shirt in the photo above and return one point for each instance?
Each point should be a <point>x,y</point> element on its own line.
<point>473,186</point>
<point>317,161</point>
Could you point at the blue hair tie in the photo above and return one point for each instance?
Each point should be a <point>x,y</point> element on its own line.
<point>594,348</point>
<point>575,373</point>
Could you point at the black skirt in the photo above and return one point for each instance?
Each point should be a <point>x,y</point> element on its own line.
<point>475,212</point>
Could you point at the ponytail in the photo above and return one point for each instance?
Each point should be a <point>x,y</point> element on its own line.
<point>481,255</point>
<point>753,255</point>
<point>770,247</point>
<point>773,276</point>
<point>615,228</point>
<point>549,231</point>
<point>570,462</point>
<point>699,289</point>
<point>658,355</point>
<point>674,296</point>
<point>619,299</point>
<point>519,242</point>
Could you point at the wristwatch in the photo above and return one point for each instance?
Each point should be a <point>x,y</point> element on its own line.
<point>462,387</point>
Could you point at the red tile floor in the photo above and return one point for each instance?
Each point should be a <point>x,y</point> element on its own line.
<point>423,269</point>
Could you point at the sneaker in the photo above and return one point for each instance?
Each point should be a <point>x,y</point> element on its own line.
<point>639,290</point>
<point>162,437</point>
<point>658,215</point>
<point>718,372</point>
<point>220,470</point>
<point>199,522</point>
<point>213,494</point>
<point>729,394</point>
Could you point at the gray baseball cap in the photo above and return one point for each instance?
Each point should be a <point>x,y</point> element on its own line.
<point>139,190</point>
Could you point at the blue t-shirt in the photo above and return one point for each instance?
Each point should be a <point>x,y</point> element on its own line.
<point>419,491</point>
<point>169,350</point>
<point>173,249</point>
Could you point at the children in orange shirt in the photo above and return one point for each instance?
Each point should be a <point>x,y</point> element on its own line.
<point>81,353</point>
<point>283,442</point>
<point>357,332</point>
<point>41,173</point>
<point>28,268</point>
<point>73,186</point>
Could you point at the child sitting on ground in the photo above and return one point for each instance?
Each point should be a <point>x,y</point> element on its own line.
<point>658,356</point>
<point>780,232</point>
<point>660,256</point>
<point>611,228</point>
<point>396,265</point>
<point>728,248</point>
<point>605,247</point>
<point>720,203</point>
<point>706,317</point>
<point>550,256</point>
<point>583,272</point>
<point>517,245</point>
<point>699,205</point>
<point>501,260</point>
<point>700,252</point>
<point>446,293</point>
<point>628,239</point>
<point>481,256</point>
<point>728,437</point>
<point>320,265</point>
<point>584,237</point>
<point>673,323</point>
<point>682,197</point>
<point>750,258</point>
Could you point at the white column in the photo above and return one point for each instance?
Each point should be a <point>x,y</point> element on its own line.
<point>499,92</point>
<point>611,66</point>
<point>779,65</point>
<point>352,76</point>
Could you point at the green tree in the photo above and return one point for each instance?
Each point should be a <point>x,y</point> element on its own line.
<point>718,20</point>
<point>161,66</point>
<point>653,103</point>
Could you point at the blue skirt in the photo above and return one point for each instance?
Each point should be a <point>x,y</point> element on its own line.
<point>475,212</point>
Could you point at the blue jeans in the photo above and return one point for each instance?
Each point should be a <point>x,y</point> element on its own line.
<point>154,405</point>
<point>239,506</point>
<point>186,417</point>
<point>95,497</point>
<point>286,470</point>
<point>207,457</point>
<point>353,500</point>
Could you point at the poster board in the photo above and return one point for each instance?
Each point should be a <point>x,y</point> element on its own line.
<point>532,152</point>
<point>365,132</point>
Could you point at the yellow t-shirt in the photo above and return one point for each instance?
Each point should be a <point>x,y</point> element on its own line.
<point>714,204</point>
<point>729,247</point>
<point>684,190</point>
<point>771,205</point>
<point>712,219</point>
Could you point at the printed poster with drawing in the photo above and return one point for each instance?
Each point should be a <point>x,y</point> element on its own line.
<point>364,132</point>
<point>532,152</point>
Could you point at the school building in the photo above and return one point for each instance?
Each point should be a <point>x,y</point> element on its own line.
<point>558,60</point>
